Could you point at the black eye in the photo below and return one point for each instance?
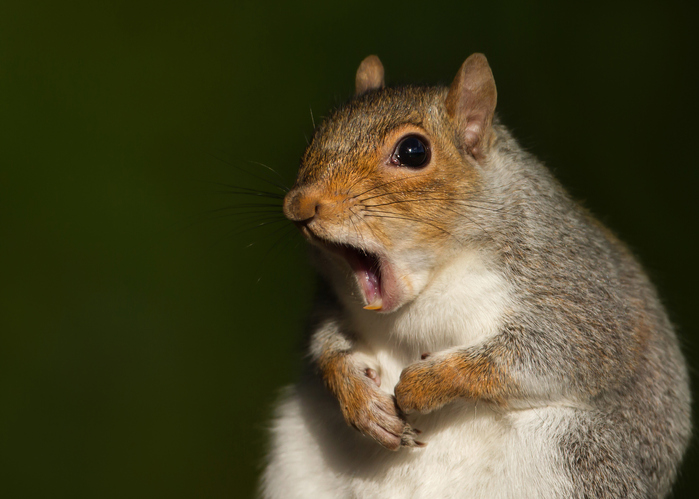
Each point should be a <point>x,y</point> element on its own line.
<point>411,151</point>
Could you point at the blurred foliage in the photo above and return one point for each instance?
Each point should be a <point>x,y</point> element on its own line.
<point>143,336</point>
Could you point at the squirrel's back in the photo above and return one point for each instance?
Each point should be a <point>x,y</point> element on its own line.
<point>588,295</point>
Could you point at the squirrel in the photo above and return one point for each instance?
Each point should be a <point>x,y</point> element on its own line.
<point>478,332</point>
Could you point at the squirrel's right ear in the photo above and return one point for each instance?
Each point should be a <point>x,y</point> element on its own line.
<point>471,103</point>
<point>369,75</point>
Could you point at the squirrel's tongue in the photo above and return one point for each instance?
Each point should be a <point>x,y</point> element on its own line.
<point>367,269</point>
<point>371,285</point>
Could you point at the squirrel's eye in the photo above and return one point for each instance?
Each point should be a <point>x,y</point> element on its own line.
<point>411,151</point>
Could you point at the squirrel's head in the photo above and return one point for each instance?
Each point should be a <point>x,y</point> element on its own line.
<point>390,182</point>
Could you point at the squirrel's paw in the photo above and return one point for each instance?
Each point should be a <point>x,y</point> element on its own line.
<point>375,414</point>
<point>426,385</point>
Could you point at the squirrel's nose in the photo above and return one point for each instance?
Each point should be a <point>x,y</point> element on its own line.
<point>301,206</point>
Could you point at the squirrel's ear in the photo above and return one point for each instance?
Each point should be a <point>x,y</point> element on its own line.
<point>471,103</point>
<point>369,75</point>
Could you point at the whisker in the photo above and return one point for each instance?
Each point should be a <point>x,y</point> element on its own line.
<point>480,190</point>
<point>359,179</point>
<point>266,206</point>
<point>452,200</point>
<point>459,213</point>
<point>360,236</point>
<point>247,216</point>
<point>270,169</point>
<point>253,194</point>
<point>236,189</point>
<point>286,234</point>
<point>237,232</point>
<point>273,231</point>
<point>354,214</point>
<point>383,184</point>
<point>281,187</point>
<point>418,221</point>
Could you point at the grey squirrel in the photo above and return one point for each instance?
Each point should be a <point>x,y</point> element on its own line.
<point>468,296</point>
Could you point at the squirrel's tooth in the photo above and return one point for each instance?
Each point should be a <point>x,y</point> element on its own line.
<point>377,304</point>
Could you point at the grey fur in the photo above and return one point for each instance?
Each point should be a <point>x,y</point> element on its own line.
<point>581,292</point>
<point>587,327</point>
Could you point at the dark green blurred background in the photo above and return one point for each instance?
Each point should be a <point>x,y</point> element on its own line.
<point>141,344</point>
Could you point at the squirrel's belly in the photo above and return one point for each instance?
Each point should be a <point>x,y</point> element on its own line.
<point>472,451</point>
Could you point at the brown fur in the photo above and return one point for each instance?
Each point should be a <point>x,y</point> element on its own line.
<point>435,381</point>
<point>387,199</point>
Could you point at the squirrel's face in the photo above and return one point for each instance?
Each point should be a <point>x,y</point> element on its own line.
<point>384,189</point>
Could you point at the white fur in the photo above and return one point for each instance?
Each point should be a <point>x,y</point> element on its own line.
<point>461,306</point>
<point>472,449</point>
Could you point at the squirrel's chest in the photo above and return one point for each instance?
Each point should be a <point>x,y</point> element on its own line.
<point>466,303</point>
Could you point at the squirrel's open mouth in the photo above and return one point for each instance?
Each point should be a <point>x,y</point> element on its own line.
<point>367,268</point>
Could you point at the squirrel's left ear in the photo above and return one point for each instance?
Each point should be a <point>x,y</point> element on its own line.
<point>471,103</point>
<point>369,75</point>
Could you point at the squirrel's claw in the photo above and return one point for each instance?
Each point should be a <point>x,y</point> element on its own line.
<point>408,437</point>
<point>375,414</point>
<point>385,423</point>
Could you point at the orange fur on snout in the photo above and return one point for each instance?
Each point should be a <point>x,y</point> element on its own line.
<point>304,204</point>
<point>364,198</point>
<point>299,206</point>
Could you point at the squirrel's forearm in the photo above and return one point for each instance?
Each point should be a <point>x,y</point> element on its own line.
<point>522,363</point>
<point>330,352</point>
<point>517,364</point>
<point>478,373</point>
<point>328,340</point>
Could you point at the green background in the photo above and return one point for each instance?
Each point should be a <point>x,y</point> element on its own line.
<point>142,339</point>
